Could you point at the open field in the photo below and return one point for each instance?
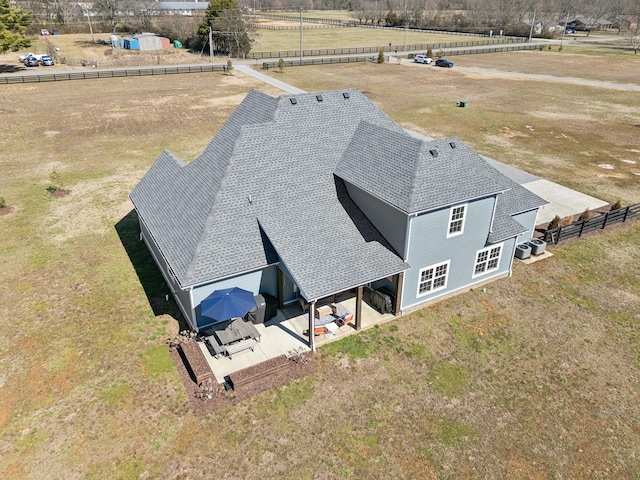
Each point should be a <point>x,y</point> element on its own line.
<point>580,136</point>
<point>536,376</point>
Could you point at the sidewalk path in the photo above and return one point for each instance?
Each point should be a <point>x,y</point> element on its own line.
<point>285,87</point>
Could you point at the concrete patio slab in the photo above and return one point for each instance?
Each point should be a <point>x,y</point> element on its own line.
<point>562,200</point>
<point>284,333</point>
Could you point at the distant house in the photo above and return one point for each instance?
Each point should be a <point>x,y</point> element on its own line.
<point>309,195</point>
<point>585,23</point>
<point>183,8</point>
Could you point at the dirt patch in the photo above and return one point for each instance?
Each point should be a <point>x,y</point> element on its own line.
<point>7,210</point>
<point>59,193</point>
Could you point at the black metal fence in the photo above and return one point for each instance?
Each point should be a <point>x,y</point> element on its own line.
<point>577,229</point>
<point>129,72</point>
<point>386,48</point>
<point>353,59</point>
<point>314,61</point>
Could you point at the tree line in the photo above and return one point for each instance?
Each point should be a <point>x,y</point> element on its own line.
<point>232,30</point>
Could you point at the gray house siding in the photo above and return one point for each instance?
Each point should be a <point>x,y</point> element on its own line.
<point>528,220</point>
<point>429,246</point>
<point>250,281</point>
<point>182,297</point>
<point>389,221</point>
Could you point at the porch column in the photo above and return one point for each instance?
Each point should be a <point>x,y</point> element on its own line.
<point>312,326</point>
<point>399,282</point>
<point>280,288</point>
<point>359,308</point>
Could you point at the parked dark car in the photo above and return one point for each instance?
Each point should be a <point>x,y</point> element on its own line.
<point>46,60</point>
<point>443,62</point>
<point>569,31</point>
<point>31,62</point>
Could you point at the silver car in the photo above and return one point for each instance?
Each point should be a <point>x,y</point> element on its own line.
<point>46,60</point>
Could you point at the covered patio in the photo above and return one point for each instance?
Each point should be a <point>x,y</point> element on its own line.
<point>288,332</point>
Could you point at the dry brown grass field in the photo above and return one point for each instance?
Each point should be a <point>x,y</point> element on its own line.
<point>536,376</point>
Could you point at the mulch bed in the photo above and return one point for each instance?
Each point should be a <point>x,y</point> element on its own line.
<point>542,228</point>
<point>201,404</point>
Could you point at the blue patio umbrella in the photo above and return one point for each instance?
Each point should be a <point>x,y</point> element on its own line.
<point>228,303</point>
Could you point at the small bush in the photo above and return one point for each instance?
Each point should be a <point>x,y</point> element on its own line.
<point>548,47</point>
<point>616,206</point>
<point>381,56</point>
<point>229,67</point>
<point>3,202</point>
<point>568,220</point>
<point>281,64</point>
<point>430,52</point>
<point>56,181</point>
<point>586,215</point>
<point>541,48</point>
<point>555,223</point>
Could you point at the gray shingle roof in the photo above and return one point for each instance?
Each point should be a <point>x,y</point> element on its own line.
<point>282,156</point>
<point>270,187</point>
<point>423,176</point>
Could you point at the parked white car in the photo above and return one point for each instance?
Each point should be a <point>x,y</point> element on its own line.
<point>37,56</point>
<point>423,59</point>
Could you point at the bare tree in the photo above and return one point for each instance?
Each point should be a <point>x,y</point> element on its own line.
<point>66,11</point>
<point>109,11</point>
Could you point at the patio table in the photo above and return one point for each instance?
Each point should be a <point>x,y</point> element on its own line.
<point>237,330</point>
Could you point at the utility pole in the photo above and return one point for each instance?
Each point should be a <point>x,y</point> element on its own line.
<point>85,8</point>
<point>532,24</point>
<point>300,35</point>
<point>210,44</point>
<point>566,20</point>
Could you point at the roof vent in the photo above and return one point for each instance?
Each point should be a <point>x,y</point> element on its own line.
<point>453,145</point>
<point>293,101</point>
<point>434,152</point>
<point>319,98</point>
<point>345,94</point>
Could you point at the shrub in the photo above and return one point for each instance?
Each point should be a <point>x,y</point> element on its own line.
<point>56,181</point>
<point>616,206</point>
<point>586,215</point>
<point>281,64</point>
<point>3,203</point>
<point>541,48</point>
<point>430,52</point>
<point>381,56</point>
<point>568,220</point>
<point>555,223</point>
<point>548,47</point>
<point>229,67</point>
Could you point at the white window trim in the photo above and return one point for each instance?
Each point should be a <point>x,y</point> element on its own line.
<point>430,267</point>
<point>487,249</point>
<point>464,219</point>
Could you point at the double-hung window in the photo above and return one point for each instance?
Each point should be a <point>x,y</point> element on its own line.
<point>487,260</point>
<point>456,220</point>
<point>433,278</point>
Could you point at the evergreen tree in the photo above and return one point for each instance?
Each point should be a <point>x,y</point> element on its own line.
<point>231,34</point>
<point>13,24</point>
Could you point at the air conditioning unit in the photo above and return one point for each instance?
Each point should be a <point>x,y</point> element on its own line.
<point>523,251</point>
<point>537,246</point>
